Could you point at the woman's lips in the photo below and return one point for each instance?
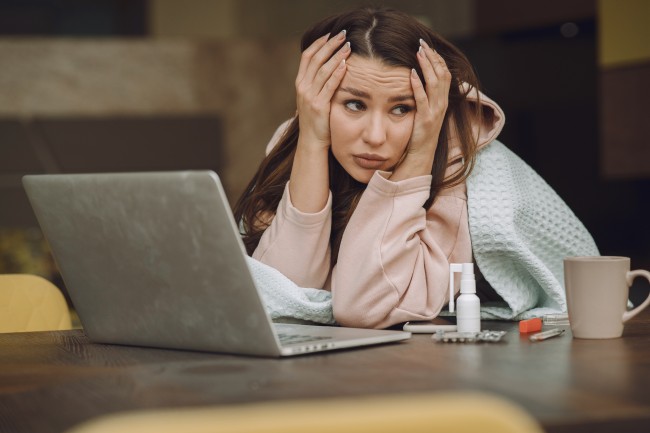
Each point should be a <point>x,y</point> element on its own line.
<point>371,162</point>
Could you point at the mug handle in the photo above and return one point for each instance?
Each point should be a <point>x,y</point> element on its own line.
<point>630,278</point>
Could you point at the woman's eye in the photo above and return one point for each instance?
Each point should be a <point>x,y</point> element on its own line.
<point>401,110</point>
<point>354,105</point>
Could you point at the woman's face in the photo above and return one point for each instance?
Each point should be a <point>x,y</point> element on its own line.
<point>371,117</point>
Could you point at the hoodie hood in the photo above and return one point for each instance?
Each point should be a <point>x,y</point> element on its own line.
<point>492,121</point>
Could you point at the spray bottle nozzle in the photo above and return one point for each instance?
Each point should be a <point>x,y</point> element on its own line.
<point>467,270</point>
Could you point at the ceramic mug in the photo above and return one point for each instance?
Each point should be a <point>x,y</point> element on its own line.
<point>597,291</point>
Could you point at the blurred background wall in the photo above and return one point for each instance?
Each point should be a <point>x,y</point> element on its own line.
<point>116,85</point>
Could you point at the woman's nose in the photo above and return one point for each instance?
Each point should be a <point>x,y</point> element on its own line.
<point>374,132</point>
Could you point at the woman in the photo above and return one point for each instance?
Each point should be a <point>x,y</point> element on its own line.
<point>363,192</point>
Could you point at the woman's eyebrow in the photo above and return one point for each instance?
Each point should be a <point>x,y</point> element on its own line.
<point>400,98</point>
<point>361,94</point>
<point>355,92</point>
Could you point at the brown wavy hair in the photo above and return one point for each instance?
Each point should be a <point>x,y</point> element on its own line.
<point>393,38</point>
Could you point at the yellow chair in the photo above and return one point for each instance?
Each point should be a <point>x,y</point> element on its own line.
<point>453,412</point>
<point>31,303</point>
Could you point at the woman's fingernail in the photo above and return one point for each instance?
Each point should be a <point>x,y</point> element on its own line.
<point>342,34</point>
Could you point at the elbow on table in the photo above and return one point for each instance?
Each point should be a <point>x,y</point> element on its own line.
<point>381,315</point>
<point>372,309</point>
<point>355,317</point>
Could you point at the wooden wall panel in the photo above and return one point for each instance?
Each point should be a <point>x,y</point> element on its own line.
<point>625,122</point>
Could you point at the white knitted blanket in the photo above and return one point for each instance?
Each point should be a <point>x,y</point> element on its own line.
<point>287,302</point>
<point>521,231</point>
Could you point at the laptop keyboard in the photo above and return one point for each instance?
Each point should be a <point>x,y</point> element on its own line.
<point>297,338</point>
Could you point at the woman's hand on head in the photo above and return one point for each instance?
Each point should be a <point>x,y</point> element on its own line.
<point>431,101</point>
<point>321,70</point>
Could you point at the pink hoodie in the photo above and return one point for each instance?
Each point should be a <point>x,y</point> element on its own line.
<point>394,257</point>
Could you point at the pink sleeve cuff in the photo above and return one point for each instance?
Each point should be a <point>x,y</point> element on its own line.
<point>380,183</point>
<point>300,218</point>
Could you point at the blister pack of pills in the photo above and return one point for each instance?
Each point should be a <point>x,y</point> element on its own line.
<point>468,337</point>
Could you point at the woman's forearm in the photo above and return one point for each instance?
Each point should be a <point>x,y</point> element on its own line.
<point>309,181</point>
<point>414,165</point>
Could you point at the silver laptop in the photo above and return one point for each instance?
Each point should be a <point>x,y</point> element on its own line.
<point>155,259</point>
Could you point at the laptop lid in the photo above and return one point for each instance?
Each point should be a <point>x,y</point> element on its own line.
<point>155,259</point>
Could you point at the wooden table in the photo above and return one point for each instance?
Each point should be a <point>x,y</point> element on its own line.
<point>50,381</point>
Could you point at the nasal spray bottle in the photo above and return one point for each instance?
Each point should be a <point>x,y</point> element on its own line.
<point>468,317</point>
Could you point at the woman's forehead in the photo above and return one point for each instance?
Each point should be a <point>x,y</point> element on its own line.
<point>372,75</point>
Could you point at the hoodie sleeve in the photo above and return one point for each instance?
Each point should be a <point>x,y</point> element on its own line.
<point>297,243</point>
<point>393,263</point>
